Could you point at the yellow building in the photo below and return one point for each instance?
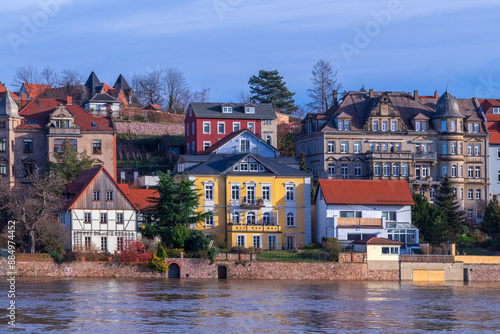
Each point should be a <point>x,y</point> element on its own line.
<point>256,201</point>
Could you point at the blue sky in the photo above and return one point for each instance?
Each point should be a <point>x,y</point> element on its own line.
<point>397,45</point>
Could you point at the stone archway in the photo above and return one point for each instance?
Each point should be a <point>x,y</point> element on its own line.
<point>174,270</point>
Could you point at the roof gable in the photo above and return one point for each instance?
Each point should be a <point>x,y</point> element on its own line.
<point>220,145</point>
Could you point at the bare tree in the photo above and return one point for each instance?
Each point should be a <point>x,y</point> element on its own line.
<point>201,96</point>
<point>243,97</point>
<point>177,90</point>
<point>25,74</point>
<point>72,80</point>
<point>49,76</point>
<point>148,87</point>
<point>324,82</point>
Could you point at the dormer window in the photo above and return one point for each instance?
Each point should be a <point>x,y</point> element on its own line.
<point>227,110</point>
<point>249,110</point>
<point>474,128</point>
<point>94,124</point>
<point>496,110</point>
<point>28,122</point>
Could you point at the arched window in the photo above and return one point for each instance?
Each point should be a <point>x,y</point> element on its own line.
<point>454,171</point>
<point>236,218</point>
<point>387,169</point>
<point>378,169</point>
<point>250,218</point>
<point>404,169</point>
<point>395,169</point>
<point>266,218</point>
<point>290,219</point>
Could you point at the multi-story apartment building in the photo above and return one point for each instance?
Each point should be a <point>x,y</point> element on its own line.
<point>256,201</point>
<point>30,136</point>
<point>207,123</point>
<point>491,110</point>
<point>400,136</point>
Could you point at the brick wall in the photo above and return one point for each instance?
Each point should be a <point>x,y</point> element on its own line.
<point>352,257</point>
<point>484,272</point>
<point>151,115</point>
<point>150,129</point>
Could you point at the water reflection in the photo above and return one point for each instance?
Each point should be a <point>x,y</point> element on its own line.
<point>134,305</point>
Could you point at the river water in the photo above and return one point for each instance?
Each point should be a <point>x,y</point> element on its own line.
<point>93,305</point>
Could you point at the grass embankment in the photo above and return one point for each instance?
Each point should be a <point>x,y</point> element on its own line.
<point>292,256</point>
<point>472,251</point>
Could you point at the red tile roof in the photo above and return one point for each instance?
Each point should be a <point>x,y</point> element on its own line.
<point>40,109</point>
<point>2,88</point>
<point>378,241</point>
<point>373,192</point>
<point>494,128</point>
<point>35,89</point>
<point>140,197</point>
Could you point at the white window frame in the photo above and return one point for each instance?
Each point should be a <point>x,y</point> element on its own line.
<point>290,219</point>
<point>89,215</point>
<point>251,127</point>
<point>470,194</point>
<point>227,110</point>
<point>357,170</point>
<point>120,218</point>
<point>206,127</point>
<point>331,168</point>
<point>235,192</point>
<point>109,196</point>
<point>357,147</point>
<point>478,193</point>
<point>377,169</point>
<point>394,125</point>
<point>266,192</point>
<point>249,110</point>
<point>331,147</point>
<point>387,169</point>
<point>258,238</point>
<point>241,240</point>
<point>344,146</point>
<point>236,124</point>
<point>219,128</point>
<point>206,145</point>
<point>209,191</point>
<point>290,192</point>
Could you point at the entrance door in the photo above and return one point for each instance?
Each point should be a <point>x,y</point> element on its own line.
<point>290,242</point>
<point>222,272</point>
<point>174,271</point>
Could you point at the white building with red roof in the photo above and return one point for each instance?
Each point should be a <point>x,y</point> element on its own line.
<point>363,209</point>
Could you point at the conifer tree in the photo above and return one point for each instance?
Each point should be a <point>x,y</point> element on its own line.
<point>429,218</point>
<point>491,221</point>
<point>303,165</point>
<point>69,162</point>
<point>269,87</point>
<point>455,218</point>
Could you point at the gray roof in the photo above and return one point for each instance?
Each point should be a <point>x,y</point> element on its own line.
<point>8,106</point>
<point>214,110</point>
<point>121,83</point>
<point>447,106</point>
<point>218,164</point>
<point>103,97</point>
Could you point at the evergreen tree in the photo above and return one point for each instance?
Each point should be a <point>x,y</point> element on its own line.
<point>173,212</point>
<point>429,219</point>
<point>269,87</point>
<point>455,218</point>
<point>69,163</point>
<point>160,252</point>
<point>303,165</point>
<point>491,221</point>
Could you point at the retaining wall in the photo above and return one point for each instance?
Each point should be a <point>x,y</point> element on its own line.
<point>483,272</point>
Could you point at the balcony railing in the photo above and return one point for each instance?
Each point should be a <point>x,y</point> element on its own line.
<point>343,221</point>
<point>252,202</point>
<point>64,131</point>
<point>253,228</point>
<point>402,155</point>
<point>425,156</point>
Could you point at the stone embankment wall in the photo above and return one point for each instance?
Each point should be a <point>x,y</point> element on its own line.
<point>483,272</point>
<point>149,129</point>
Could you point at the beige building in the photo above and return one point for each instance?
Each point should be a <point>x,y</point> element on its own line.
<point>400,136</point>
<point>30,136</point>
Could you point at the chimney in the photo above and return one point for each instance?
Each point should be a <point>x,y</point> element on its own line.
<point>69,100</point>
<point>335,98</point>
<point>370,93</point>
<point>24,99</point>
<point>415,95</point>
<point>436,95</point>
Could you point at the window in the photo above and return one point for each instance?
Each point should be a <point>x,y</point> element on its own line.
<point>331,148</point>
<point>256,241</point>
<point>470,194</point>
<point>476,127</point>
<point>453,126</point>
<point>268,121</point>
<point>87,217</point>
<point>119,244</point>
<point>471,172</point>
<point>496,110</point>
<point>290,193</point>
<point>393,216</point>
<point>478,193</point>
<point>96,146</point>
<point>404,169</point>
<point>244,145</point>
<point>498,178</point>
<point>394,126</point>
<point>244,166</point>
<point>251,127</point>
<point>331,169</point>
<point>387,169</point>
<point>432,193</point>
<point>227,110</point>
<point>344,170</point>
<point>357,170</point>
<point>469,150</point>
<point>375,125</point>
<point>236,126</point>
<point>470,214</point>
<point>341,125</point>
<point>250,193</point>
<point>347,125</point>
<point>250,218</point>
<point>395,169</point>
<point>104,244</point>
<point>418,126</point>
<point>221,127</point>
<point>88,242</point>
<point>479,214</point>
<point>498,153</point>
<point>254,167</point>
<point>454,171</point>
<point>357,147</point>
<point>384,125</point>
<point>235,192</point>
<point>2,144</point>
<point>444,126</point>
<point>187,129</point>
<point>390,250</point>
<point>119,218</point>
<point>206,127</point>
<point>385,147</point>
<point>422,191</point>
<point>377,169</point>
<point>343,147</point>
<point>28,146</point>
<point>478,172</point>
<point>471,127</point>
<point>240,240</point>
<point>104,218</point>
<point>444,170</point>
<point>425,171</point>
<point>272,242</point>
<point>209,221</point>
<point>461,193</point>
<point>109,196</point>
<point>249,110</point>
<point>192,128</point>
<point>97,195</point>
<point>3,168</point>
<point>445,148</point>
<point>290,219</point>
<point>206,145</point>
<point>266,193</point>
<point>454,148</point>
<point>477,150</point>
<point>236,218</point>
<point>269,140</point>
<point>209,192</point>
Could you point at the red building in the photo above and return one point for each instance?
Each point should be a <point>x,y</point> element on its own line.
<point>207,123</point>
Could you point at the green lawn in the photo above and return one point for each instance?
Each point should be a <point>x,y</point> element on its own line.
<point>291,256</point>
<point>471,251</point>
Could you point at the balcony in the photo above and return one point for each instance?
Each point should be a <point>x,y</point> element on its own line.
<point>342,221</point>
<point>252,202</point>
<point>451,157</point>
<point>424,156</point>
<point>64,131</point>
<point>382,155</point>
<point>254,228</point>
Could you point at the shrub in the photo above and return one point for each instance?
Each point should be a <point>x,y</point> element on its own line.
<point>161,252</point>
<point>313,245</point>
<point>212,254</point>
<point>56,257</point>
<point>197,241</point>
<point>176,252</point>
<point>332,247</point>
<point>134,251</point>
<point>425,249</point>
<point>158,263</point>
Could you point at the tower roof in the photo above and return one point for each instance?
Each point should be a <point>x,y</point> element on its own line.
<point>121,83</point>
<point>447,106</point>
<point>8,106</point>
